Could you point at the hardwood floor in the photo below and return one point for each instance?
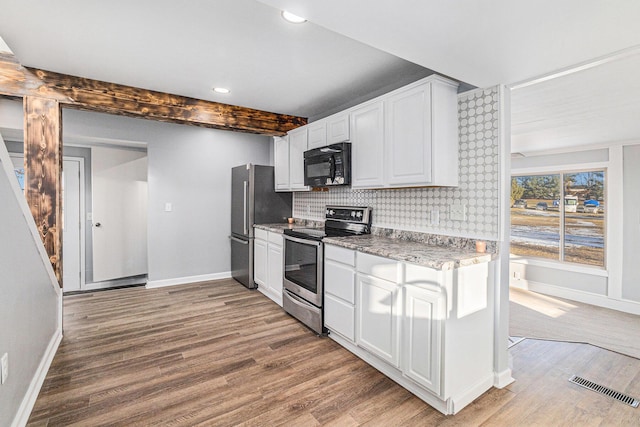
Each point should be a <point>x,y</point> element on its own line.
<point>218,354</point>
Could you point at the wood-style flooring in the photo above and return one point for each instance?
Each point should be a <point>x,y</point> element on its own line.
<point>218,354</point>
<point>541,316</point>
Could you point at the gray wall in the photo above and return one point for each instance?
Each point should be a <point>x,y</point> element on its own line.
<point>190,168</point>
<point>28,299</point>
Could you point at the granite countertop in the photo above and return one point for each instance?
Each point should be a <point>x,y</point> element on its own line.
<point>275,228</point>
<point>280,227</point>
<point>415,252</point>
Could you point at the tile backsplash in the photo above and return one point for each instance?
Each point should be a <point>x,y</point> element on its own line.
<point>411,209</point>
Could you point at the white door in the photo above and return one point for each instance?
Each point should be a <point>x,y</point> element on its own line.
<point>72,209</point>
<point>119,213</point>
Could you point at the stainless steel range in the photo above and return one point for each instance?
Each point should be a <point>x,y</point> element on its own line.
<point>304,261</point>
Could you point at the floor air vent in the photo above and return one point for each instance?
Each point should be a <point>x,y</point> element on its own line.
<point>604,390</point>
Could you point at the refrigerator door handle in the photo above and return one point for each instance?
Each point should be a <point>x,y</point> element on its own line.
<point>235,239</point>
<point>246,213</point>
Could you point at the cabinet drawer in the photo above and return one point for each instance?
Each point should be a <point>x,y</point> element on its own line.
<point>342,255</point>
<point>339,281</point>
<point>339,317</point>
<point>275,238</point>
<point>261,234</point>
<point>383,268</point>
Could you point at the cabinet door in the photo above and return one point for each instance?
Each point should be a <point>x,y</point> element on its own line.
<point>408,142</point>
<point>275,272</point>
<point>367,137</point>
<point>377,325</point>
<point>260,263</point>
<point>297,147</point>
<point>281,163</point>
<point>422,336</point>
<point>317,134</point>
<point>339,317</point>
<point>337,128</point>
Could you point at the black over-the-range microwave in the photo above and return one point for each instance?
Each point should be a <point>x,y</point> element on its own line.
<point>330,165</point>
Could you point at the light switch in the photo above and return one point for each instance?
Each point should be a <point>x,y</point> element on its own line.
<point>168,207</point>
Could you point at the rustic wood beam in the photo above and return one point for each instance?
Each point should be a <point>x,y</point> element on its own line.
<point>94,95</point>
<point>43,173</point>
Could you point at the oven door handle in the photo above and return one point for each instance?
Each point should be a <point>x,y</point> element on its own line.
<point>303,241</point>
<point>296,299</point>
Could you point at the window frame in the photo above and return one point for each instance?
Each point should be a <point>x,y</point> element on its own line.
<point>563,170</point>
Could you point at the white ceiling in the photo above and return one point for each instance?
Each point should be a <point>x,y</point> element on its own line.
<point>348,51</point>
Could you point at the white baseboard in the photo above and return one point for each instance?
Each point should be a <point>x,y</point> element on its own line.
<point>502,379</point>
<point>138,280</point>
<point>29,400</point>
<point>189,279</point>
<point>580,296</point>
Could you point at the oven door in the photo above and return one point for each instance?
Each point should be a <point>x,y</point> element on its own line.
<point>303,272</point>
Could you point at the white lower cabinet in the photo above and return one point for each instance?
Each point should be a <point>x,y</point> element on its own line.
<point>429,330</point>
<point>424,310</point>
<point>339,291</point>
<point>377,322</point>
<point>267,264</point>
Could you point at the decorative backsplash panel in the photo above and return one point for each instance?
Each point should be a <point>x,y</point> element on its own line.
<point>412,209</point>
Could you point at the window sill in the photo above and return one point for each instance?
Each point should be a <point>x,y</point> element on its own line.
<point>584,269</point>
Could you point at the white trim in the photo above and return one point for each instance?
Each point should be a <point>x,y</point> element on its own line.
<point>580,148</point>
<point>188,279</point>
<point>501,269</point>
<point>582,66</point>
<point>29,400</point>
<point>560,168</point>
<point>83,210</point>
<point>614,225</point>
<point>579,296</point>
<point>503,379</point>
<point>558,265</point>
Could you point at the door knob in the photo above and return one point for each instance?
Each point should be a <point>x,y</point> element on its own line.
<point>98,224</point>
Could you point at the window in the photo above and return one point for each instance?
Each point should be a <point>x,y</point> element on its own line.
<point>559,216</point>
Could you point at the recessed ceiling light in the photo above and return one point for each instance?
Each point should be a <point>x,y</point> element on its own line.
<point>221,90</point>
<point>294,19</point>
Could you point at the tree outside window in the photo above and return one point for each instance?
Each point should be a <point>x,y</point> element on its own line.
<point>559,216</point>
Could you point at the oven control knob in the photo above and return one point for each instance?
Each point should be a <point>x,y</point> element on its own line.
<point>353,213</point>
<point>359,214</point>
<point>331,212</point>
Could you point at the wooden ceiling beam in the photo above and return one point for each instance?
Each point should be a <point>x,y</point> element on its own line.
<point>94,95</point>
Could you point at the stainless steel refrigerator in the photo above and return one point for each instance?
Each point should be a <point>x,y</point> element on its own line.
<point>253,201</point>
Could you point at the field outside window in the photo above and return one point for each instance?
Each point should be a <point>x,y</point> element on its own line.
<point>541,228</point>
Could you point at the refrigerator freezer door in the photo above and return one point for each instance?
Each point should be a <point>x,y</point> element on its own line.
<point>242,261</point>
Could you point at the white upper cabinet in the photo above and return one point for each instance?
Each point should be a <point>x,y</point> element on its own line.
<point>281,163</point>
<point>317,133</point>
<point>297,147</point>
<point>338,128</point>
<point>408,137</point>
<point>412,142</point>
<point>327,131</point>
<point>289,160</point>
<point>367,149</point>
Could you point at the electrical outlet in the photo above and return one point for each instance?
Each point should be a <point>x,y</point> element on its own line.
<point>434,217</point>
<point>5,368</point>
<point>458,212</point>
